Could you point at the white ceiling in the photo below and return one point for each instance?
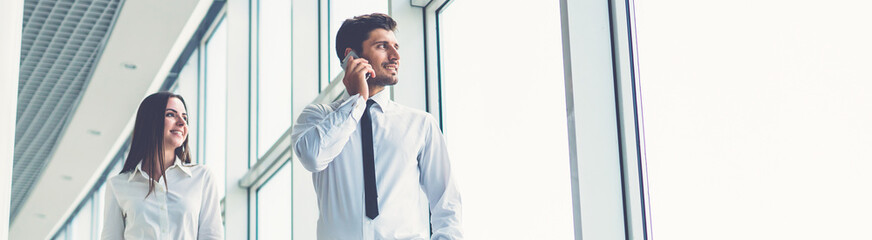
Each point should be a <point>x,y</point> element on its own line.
<point>147,33</point>
<point>60,42</point>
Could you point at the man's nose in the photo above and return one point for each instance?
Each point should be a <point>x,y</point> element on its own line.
<point>394,54</point>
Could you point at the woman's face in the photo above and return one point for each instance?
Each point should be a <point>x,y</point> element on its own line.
<point>175,123</point>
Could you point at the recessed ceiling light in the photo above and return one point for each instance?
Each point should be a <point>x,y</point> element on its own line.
<point>128,65</point>
<point>94,132</point>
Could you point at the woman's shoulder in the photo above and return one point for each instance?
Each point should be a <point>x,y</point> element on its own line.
<point>120,178</point>
<point>199,170</point>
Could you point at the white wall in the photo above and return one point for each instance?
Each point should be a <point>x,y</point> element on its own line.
<point>10,47</point>
<point>758,118</point>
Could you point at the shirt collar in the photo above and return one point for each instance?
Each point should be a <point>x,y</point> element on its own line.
<point>177,164</point>
<point>383,100</point>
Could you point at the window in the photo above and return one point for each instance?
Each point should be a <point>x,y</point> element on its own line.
<point>215,116</point>
<point>504,116</point>
<point>100,205</point>
<point>274,216</point>
<point>63,234</point>
<point>305,48</point>
<point>82,224</point>
<point>305,89</point>
<point>188,86</point>
<point>273,72</point>
<point>87,221</point>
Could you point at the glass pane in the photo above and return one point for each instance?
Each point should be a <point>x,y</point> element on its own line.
<point>81,224</point>
<point>345,9</point>
<point>305,207</point>
<point>504,114</point>
<point>757,118</point>
<point>216,104</point>
<point>274,206</point>
<point>305,89</point>
<point>188,88</point>
<point>274,72</point>
<point>63,233</point>
<point>99,204</point>
<point>100,197</point>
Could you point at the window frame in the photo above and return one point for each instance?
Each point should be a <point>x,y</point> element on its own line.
<point>611,73</point>
<point>599,53</point>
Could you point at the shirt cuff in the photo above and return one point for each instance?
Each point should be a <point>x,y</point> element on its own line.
<point>357,105</point>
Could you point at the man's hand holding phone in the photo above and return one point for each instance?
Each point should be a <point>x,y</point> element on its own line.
<point>357,71</point>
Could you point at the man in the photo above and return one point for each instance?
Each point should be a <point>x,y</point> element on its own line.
<point>376,165</point>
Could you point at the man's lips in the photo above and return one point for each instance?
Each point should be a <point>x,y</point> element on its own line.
<point>391,66</point>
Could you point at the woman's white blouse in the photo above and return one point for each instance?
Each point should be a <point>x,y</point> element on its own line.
<point>188,208</point>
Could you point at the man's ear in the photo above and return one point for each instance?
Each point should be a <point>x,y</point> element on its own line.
<point>347,50</point>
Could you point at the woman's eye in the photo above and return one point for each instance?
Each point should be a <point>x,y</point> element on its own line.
<point>170,115</point>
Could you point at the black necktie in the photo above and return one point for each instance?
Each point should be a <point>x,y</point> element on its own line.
<point>371,195</point>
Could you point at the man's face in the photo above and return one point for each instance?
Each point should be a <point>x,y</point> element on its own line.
<point>381,50</point>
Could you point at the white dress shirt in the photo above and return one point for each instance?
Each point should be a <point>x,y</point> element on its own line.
<point>188,209</point>
<point>413,174</point>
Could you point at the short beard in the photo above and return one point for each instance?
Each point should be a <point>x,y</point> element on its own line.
<point>382,81</point>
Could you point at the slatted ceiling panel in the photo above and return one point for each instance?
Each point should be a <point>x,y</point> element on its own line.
<point>60,43</point>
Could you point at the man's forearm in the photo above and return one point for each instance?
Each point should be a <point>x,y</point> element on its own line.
<point>320,134</point>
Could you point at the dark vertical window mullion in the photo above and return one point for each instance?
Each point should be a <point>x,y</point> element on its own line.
<point>636,116</point>
<point>426,64</point>
<point>618,115</point>
<point>320,48</point>
<point>439,64</point>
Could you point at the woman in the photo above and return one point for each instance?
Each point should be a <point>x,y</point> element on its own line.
<point>159,194</point>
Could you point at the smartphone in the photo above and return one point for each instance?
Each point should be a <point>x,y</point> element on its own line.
<point>345,61</point>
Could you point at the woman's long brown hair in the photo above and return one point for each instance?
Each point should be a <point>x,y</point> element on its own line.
<point>146,145</point>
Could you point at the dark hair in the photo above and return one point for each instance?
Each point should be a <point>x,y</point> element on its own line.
<point>146,145</point>
<point>355,30</point>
